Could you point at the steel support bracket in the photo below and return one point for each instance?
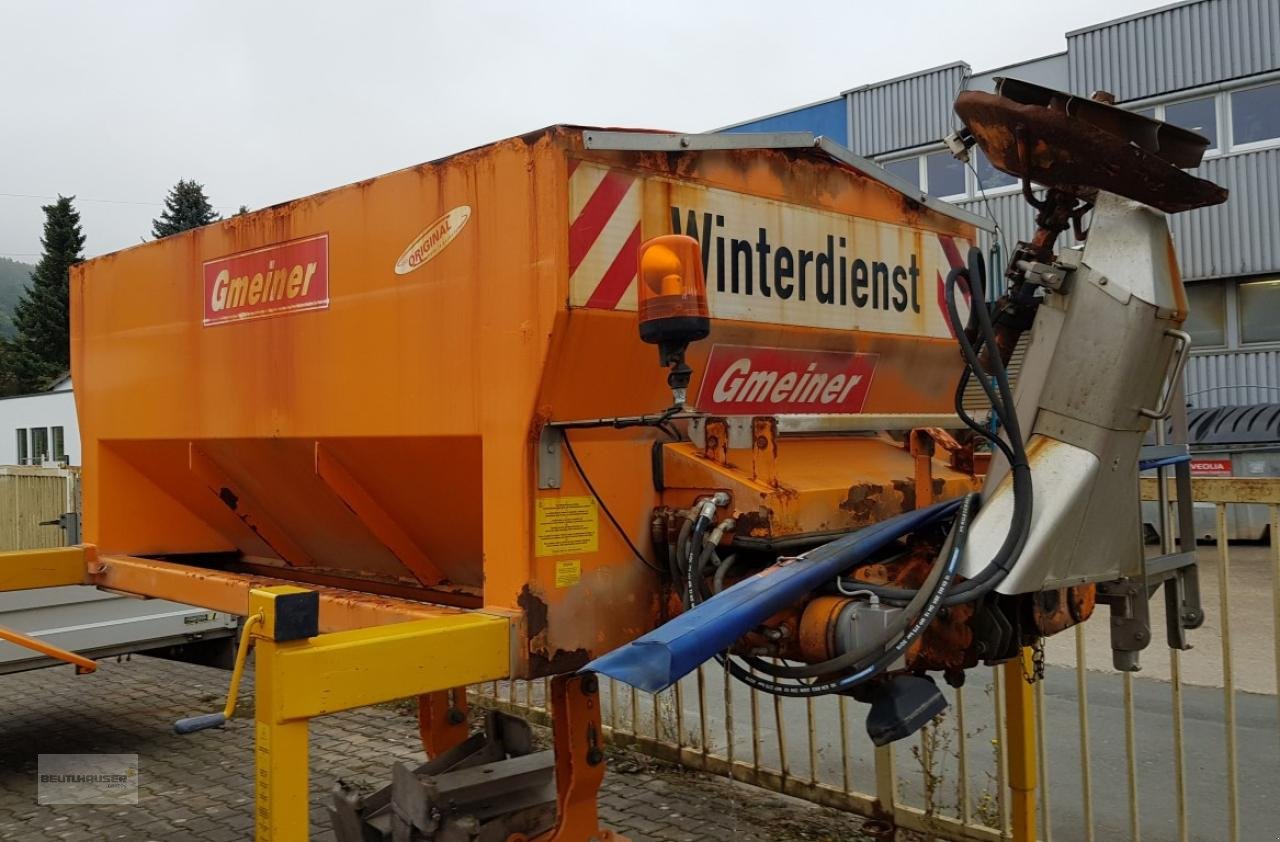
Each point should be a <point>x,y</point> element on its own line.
<point>579,742</point>
<point>550,458</point>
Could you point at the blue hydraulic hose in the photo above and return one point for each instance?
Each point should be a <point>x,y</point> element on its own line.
<point>655,661</point>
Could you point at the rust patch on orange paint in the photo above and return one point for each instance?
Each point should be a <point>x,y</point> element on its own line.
<point>541,662</point>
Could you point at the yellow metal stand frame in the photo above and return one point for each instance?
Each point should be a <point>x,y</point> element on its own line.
<point>305,678</point>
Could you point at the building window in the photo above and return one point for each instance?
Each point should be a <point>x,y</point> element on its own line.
<point>944,175</point>
<point>22,451</point>
<point>1207,316</point>
<point>1259,310</point>
<point>905,168</point>
<point>1198,115</point>
<point>59,445</point>
<point>39,445</point>
<point>1255,114</point>
<point>989,178</point>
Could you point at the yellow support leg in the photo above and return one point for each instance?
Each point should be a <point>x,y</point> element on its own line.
<point>1020,726</point>
<point>301,674</point>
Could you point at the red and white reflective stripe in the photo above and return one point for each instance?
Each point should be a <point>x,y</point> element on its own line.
<point>604,236</point>
<point>955,260</point>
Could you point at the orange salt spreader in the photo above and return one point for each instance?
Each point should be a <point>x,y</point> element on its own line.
<point>414,430</point>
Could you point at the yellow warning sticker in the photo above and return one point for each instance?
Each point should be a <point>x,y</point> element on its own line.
<point>568,573</point>
<point>567,525</point>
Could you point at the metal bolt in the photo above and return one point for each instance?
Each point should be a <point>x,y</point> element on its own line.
<point>1102,282</point>
<point>456,717</point>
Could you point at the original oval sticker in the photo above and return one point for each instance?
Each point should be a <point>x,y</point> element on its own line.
<point>433,239</point>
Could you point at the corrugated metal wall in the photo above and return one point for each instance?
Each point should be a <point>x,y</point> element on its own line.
<point>1242,236</point>
<point>1011,213</point>
<point>29,496</point>
<point>1230,378</point>
<point>906,112</point>
<point>1181,47</point>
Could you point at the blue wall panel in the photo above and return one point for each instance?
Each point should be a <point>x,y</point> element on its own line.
<point>823,118</point>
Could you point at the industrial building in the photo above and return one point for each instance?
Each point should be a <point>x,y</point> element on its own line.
<point>1208,65</point>
<point>40,428</point>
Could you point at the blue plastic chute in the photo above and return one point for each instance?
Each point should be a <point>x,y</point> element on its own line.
<point>655,661</point>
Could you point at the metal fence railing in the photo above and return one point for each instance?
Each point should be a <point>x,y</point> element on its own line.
<point>1166,753</point>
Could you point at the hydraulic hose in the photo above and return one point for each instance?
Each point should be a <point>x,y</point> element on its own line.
<point>921,605</point>
<point>934,591</point>
<point>1001,396</point>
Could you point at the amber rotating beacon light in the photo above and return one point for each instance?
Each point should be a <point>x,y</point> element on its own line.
<point>672,304</point>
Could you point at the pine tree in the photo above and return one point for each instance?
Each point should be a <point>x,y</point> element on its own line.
<point>185,207</point>
<point>41,351</point>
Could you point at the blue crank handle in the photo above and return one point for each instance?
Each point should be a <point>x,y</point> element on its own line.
<point>199,723</point>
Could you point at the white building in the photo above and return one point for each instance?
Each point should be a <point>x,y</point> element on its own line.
<point>40,428</point>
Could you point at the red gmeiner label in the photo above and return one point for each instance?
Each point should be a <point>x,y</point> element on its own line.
<point>275,279</point>
<point>744,380</point>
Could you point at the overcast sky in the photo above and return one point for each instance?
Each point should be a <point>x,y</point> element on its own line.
<point>267,101</point>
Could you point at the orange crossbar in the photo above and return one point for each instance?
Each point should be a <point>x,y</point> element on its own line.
<point>83,665</point>
<point>340,610</point>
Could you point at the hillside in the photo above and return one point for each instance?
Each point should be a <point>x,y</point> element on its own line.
<point>14,277</point>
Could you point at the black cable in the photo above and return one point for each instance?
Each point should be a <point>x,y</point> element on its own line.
<point>1001,397</point>
<point>573,457</point>
<point>937,586</point>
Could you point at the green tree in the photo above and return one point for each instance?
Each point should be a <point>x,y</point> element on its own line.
<point>41,351</point>
<point>185,207</point>
<point>8,377</point>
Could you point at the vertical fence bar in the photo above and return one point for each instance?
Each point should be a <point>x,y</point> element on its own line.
<point>962,761</point>
<point>657,716</point>
<point>813,743</point>
<point>784,764</point>
<point>1275,595</point>
<point>1179,753</point>
<point>1046,824</point>
<point>755,726</point>
<point>886,780</point>
<point>728,719</point>
<point>613,705</point>
<point>845,778</point>
<point>1228,679</point>
<point>1002,745</point>
<point>1082,705</point>
<point>679,716</point>
<point>702,711</point>
<point>635,712</point>
<point>1131,757</point>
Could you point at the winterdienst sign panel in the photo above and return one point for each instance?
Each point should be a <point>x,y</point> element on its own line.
<point>765,260</point>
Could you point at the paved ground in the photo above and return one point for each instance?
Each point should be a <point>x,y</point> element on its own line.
<point>200,787</point>
<point>1253,641</point>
